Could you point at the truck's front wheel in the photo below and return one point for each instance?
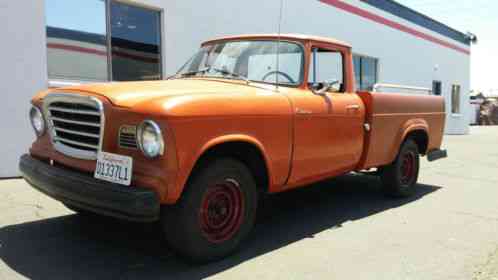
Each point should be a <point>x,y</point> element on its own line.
<point>400,177</point>
<point>216,212</point>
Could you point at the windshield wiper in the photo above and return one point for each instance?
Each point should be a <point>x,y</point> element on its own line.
<point>188,74</point>
<point>224,72</point>
<point>233,74</point>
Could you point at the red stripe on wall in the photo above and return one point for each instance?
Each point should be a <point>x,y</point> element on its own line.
<point>378,19</point>
<point>76,49</point>
<point>100,53</point>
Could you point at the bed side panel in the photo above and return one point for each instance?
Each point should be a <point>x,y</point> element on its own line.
<point>392,116</point>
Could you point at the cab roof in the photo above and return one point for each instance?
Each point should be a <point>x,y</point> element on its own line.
<point>291,37</point>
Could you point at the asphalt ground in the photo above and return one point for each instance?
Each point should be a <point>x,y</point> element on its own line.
<point>343,228</point>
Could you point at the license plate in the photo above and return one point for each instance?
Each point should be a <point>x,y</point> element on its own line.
<point>114,168</point>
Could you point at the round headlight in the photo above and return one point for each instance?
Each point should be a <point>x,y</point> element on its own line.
<point>37,121</point>
<point>150,139</point>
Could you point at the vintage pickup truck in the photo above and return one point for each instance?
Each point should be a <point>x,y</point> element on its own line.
<point>246,116</point>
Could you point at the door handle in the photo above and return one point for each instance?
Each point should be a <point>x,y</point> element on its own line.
<point>353,107</point>
<point>303,112</point>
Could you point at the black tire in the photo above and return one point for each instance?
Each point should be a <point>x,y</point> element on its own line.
<point>215,214</point>
<point>399,179</point>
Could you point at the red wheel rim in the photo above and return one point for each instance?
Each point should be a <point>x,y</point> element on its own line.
<point>222,211</point>
<point>408,168</point>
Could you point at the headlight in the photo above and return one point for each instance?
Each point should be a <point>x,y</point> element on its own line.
<point>37,121</point>
<point>150,139</point>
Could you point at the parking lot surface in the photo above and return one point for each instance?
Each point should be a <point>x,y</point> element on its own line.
<point>339,229</point>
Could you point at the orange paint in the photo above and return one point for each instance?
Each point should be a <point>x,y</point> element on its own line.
<point>303,137</point>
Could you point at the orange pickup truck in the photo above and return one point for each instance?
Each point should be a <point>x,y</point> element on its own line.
<point>245,116</point>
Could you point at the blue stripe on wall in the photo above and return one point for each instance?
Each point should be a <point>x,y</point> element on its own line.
<point>417,18</point>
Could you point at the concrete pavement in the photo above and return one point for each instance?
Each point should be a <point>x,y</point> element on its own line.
<point>339,229</point>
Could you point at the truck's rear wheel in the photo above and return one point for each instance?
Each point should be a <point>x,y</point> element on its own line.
<point>400,178</point>
<point>216,212</point>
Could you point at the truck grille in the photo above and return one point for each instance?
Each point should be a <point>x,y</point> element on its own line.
<point>76,124</point>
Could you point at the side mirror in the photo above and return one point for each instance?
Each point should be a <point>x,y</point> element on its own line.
<point>322,87</point>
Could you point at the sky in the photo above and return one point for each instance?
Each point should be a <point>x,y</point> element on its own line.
<point>57,15</point>
<point>478,17</point>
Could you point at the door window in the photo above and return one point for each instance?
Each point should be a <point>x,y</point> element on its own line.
<point>327,67</point>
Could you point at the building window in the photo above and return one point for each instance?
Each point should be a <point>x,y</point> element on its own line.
<point>136,43</point>
<point>366,72</point>
<point>78,47</point>
<point>436,87</point>
<point>455,99</point>
<point>76,42</point>
<point>327,66</point>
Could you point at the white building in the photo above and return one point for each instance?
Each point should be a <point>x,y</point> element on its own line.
<point>55,42</point>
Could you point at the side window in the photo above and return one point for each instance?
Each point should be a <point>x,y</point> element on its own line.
<point>455,99</point>
<point>369,72</point>
<point>327,66</point>
<point>357,71</point>
<point>436,88</point>
<point>366,71</point>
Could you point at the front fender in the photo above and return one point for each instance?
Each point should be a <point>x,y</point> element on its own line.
<point>188,167</point>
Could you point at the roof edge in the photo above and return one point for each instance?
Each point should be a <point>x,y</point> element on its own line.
<point>418,18</point>
<point>300,37</point>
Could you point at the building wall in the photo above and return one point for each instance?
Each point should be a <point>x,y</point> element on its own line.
<point>403,58</point>
<point>23,72</point>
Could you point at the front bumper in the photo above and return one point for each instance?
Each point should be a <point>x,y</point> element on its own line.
<point>85,192</point>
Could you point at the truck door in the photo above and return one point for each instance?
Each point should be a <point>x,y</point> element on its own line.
<point>328,127</point>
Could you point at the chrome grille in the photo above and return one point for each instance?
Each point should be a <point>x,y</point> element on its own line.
<point>76,124</point>
<point>128,137</point>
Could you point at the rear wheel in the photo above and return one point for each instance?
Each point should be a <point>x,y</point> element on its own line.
<point>400,178</point>
<point>216,212</point>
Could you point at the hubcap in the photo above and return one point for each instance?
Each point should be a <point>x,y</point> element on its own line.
<point>408,168</point>
<point>222,210</point>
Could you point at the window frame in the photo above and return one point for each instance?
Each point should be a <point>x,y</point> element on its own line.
<point>298,43</point>
<point>315,51</point>
<point>342,50</point>
<point>55,80</point>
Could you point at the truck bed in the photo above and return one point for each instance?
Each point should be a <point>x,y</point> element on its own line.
<point>396,114</point>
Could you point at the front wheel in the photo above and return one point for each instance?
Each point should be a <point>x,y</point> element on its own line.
<point>215,213</point>
<point>400,177</point>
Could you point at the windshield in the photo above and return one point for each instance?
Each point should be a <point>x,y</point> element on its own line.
<point>254,61</point>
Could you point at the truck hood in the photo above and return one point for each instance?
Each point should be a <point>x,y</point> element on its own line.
<point>129,94</point>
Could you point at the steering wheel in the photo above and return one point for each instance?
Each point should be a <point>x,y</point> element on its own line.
<point>279,73</point>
